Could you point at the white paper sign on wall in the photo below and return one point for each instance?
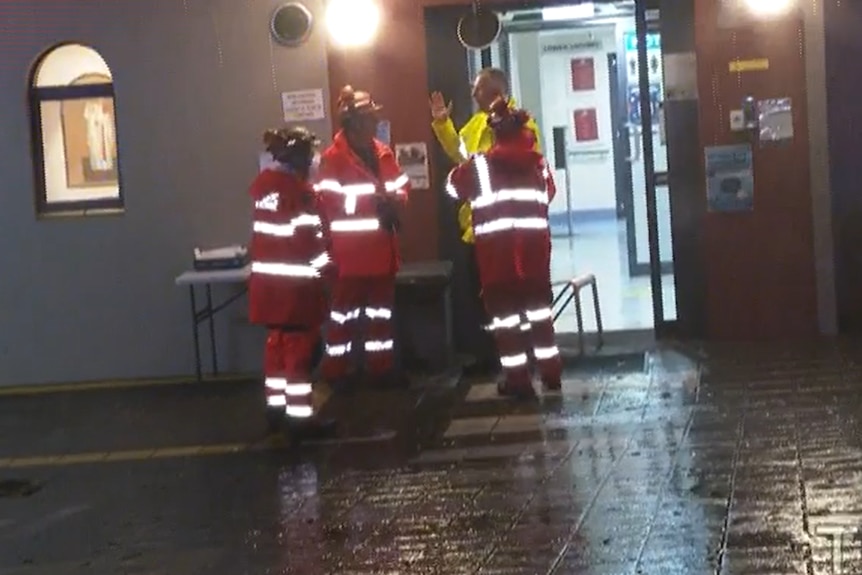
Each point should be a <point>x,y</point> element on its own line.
<point>413,159</point>
<point>303,105</point>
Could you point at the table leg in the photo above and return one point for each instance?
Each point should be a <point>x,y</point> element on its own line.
<point>450,332</point>
<point>198,370</point>
<point>212,329</point>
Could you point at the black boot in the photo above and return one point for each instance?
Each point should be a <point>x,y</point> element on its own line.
<point>522,392</point>
<point>393,379</point>
<point>274,419</point>
<point>307,428</point>
<point>345,385</point>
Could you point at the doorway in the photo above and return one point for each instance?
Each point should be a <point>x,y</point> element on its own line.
<point>577,70</point>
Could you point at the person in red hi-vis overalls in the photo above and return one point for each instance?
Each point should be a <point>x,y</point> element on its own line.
<point>509,189</point>
<point>361,190</point>
<point>286,288</point>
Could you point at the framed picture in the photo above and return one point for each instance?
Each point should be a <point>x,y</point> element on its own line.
<point>583,74</point>
<point>89,138</point>
<point>586,125</point>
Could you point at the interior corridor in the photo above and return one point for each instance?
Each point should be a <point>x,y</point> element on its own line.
<point>626,302</point>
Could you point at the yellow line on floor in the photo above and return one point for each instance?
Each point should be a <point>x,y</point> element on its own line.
<point>134,455</point>
<point>40,389</point>
<point>271,443</point>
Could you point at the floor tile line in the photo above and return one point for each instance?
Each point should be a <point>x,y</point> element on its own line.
<point>725,530</point>
<point>573,531</point>
<point>803,491</point>
<point>525,506</point>
<point>665,482</point>
<point>564,549</point>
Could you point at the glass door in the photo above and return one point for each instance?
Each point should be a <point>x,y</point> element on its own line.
<point>651,219</point>
<point>579,74</point>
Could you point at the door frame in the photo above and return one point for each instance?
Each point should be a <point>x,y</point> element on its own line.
<point>441,78</point>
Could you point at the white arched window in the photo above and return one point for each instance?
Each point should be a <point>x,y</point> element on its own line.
<point>74,132</point>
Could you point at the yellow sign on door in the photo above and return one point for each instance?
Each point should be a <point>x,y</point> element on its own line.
<point>756,65</point>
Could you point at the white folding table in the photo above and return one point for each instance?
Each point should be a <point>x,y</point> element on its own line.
<point>410,276</point>
<point>195,278</point>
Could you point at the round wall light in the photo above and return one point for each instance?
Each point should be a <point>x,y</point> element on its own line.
<point>352,23</point>
<point>479,29</point>
<point>291,24</point>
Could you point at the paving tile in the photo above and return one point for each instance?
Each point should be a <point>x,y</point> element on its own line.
<point>483,392</point>
<point>518,423</point>
<point>635,472</point>
<point>471,426</point>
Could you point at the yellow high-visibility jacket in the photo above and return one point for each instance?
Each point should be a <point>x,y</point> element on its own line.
<point>474,138</point>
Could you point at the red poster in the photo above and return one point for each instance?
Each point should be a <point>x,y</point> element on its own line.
<point>586,125</point>
<point>583,74</point>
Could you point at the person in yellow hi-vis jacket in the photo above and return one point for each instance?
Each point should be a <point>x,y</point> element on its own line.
<point>474,137</point>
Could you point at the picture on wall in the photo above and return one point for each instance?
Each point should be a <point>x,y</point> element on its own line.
<point>413,159</point>
<point>89,138</point>
<point>586,125</point>
<point>583,74</point>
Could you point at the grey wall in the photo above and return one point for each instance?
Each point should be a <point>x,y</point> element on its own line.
<point>843,82</point>
<point>818,153</point>
<point>196,83</point>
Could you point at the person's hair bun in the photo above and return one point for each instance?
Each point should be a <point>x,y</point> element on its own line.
<point>521,116</point>
<point>347,96</point>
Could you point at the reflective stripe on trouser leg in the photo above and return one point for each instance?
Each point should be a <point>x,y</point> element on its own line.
<point>273,370</point>
<point>298,349</point>
<point>378,340</point>
<point>344,316</point>
<point>545,349</point>
<point>506,323</point>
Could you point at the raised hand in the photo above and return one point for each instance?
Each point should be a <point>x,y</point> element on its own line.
<point>440,110</point>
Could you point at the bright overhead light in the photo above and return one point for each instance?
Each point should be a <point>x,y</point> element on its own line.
<point>769,7</point>
<point>573,12</point>
<point>352,23</point>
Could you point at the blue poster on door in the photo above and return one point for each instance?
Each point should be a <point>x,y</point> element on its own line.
<point>384,132</point>
<point>729,178</point>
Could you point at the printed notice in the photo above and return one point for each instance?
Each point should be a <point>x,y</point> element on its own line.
<point>303,105</point>
<point>680,76</point>
<point>413,159</point>
<point>729,178</point>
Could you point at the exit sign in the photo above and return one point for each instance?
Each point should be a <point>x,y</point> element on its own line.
<point>653,41</point>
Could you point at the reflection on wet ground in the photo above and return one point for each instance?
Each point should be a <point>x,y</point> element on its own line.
<point>739,464</point>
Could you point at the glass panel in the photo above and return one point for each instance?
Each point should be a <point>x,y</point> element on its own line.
<point>584,95</point>
<point>665,247</point>
<point>655,74</point>
<point>79,150</point>
<point>66,63</point>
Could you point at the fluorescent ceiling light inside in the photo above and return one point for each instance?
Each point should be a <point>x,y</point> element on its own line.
<point>574,12</point>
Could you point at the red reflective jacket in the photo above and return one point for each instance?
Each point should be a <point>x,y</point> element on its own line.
<point>509,189</point>
<point>348,196</point>
<point>288,252</point>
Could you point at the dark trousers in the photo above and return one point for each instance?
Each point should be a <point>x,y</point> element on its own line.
<point>484,349</point>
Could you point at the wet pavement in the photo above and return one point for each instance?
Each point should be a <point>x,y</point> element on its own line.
<point>737,461</point>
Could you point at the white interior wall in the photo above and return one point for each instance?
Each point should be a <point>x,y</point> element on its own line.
<point>590,163</point>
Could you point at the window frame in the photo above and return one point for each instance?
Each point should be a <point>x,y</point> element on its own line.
<point>36,96</point>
